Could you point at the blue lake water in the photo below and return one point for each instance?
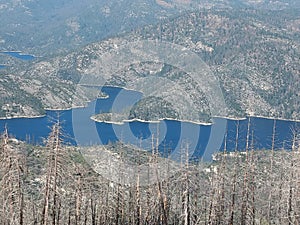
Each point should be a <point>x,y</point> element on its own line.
<point>203,140</point>
<point>19,55</point>
<point>2,66</point>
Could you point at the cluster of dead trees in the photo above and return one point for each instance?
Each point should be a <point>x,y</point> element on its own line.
<point>53,185</point>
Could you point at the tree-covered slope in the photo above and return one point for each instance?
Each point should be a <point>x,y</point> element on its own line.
<point>254,54</point>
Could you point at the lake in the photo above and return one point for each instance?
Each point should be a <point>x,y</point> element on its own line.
<point>203,140</point>
<point>18,55</point>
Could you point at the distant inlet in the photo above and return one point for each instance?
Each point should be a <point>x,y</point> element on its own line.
<point>18,55</point>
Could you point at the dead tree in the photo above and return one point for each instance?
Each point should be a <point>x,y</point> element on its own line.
<point>56,176</point>
<point>271,177</point>
<point>234,181</point>
<point>245,192</point>
<point>12,176</point>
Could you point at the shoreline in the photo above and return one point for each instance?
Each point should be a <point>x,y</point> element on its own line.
<point>19,52</point>
<point>276,118</point>
<point>140,120</point>
<point>149,121</point>
<point>256,116</point>
<point>190,121</point>
<point>123,121</point>
<point>65,109</point>
<point>111,86</point>
<point>231,118</point>
<point>22,117</point>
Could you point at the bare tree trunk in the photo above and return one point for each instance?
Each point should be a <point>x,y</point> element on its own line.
<point>253,187</point>
<point>186,193</point>
<point>234,182</point>
<point>55,157</point>
<point>46,195</point>
<point>233,197</point>
<point>21,197</point>
<point>93,211</point>
<point>138,201</point>
<point>162,201</point>
<point>12,170</point>
<point>56,152</point>
<point>221,185</point>
<point>291,182</point>
<point>245,193</point>
<point>78,197</point>
<point>271,172</point>
<point>211,201</point>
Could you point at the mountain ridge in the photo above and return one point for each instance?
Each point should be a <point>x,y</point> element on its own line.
<point>254,61</point>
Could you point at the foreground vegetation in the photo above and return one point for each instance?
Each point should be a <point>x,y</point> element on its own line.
<point>54,185</point>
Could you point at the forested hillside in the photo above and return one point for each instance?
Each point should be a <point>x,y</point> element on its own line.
<point>254,54</point>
